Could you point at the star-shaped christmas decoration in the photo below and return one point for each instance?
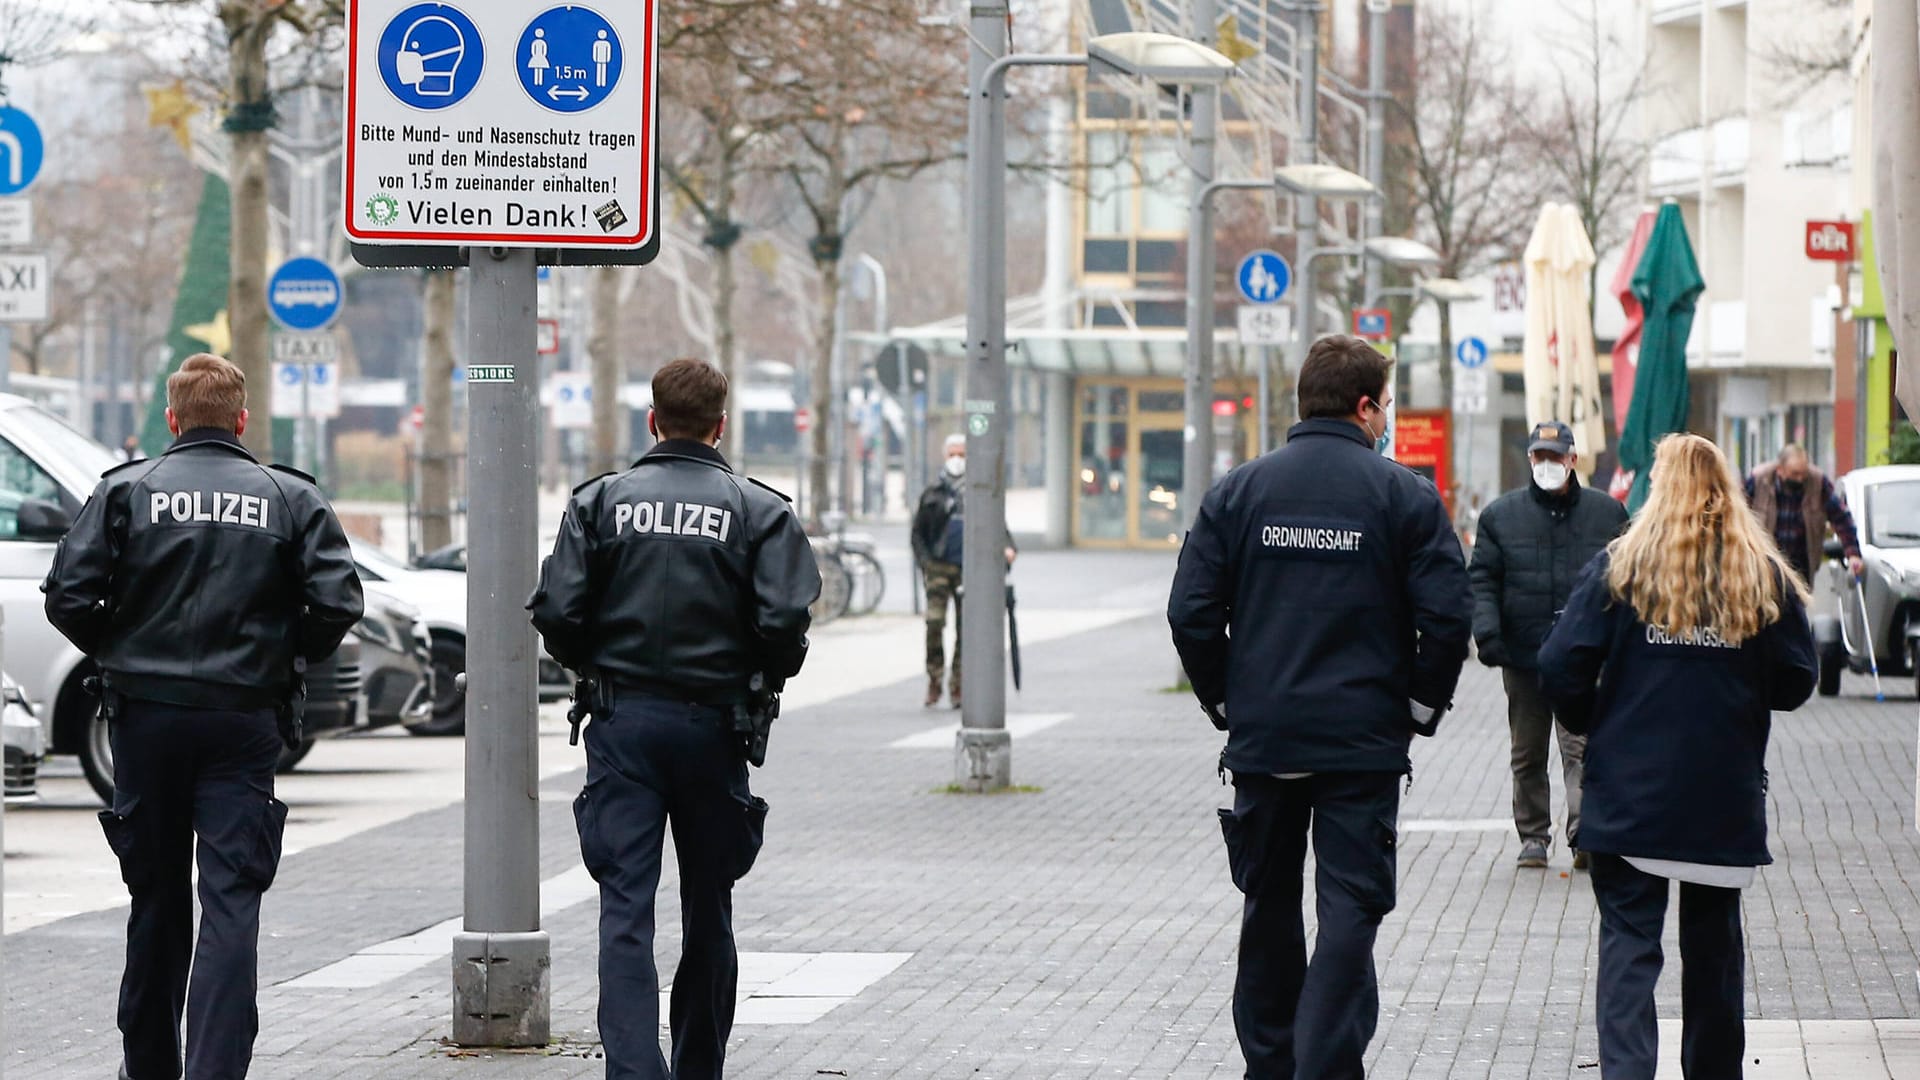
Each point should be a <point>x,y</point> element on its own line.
<point>1231,44</point>
<point>172,107</point>
<point>217,335</point>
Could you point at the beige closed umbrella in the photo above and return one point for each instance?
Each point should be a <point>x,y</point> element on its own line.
<point>1562,375</point>
<point>1896,179</point>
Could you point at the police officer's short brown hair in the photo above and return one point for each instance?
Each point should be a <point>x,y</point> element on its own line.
<point>207,391</point>
<point>689,398</point>
<point>1339,372</point>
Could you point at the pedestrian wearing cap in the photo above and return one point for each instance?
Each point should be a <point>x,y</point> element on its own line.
<point>1529,551</point>
<point>1675,649</point>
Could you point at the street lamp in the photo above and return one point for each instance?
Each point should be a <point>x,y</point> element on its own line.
<point>984,753</point>
<point>1403,251</point>
<point>1315,181</point>
<point>1323,181</point>
<point>1449,290</point>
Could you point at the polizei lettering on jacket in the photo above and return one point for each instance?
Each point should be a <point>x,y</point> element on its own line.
<point>673,519</point>
<point>1319,539</point>
<point>208,507</point>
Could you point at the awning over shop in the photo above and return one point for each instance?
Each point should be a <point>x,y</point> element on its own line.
<point>1100,351</point>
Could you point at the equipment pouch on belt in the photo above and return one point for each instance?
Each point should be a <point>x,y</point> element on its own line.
<point>753,719</point>
<point>590,700</point>
<point>291,715</point>
<point>123,836</point>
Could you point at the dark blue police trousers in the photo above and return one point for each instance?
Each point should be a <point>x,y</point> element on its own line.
<point>181,772</point>
<point>1633,913</point>
<point>656,761</point>
<point>1300,1020</point>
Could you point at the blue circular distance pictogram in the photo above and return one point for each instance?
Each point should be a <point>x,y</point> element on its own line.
<point>569,59</point>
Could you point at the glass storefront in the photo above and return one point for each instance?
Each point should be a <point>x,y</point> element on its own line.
<point>1131,445</point>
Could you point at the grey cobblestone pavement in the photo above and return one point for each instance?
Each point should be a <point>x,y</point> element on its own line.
<point>1085,928</point>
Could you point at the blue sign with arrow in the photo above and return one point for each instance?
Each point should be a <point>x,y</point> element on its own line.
<point>1264,277</point>
<point>304,294</point>
<point>1471,353</point>
<point>569,59</point>
<point>21,150</point>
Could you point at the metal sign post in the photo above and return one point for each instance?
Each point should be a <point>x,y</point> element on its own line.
<point>480,136</point>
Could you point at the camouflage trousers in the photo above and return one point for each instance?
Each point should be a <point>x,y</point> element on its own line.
<point>943,583</point>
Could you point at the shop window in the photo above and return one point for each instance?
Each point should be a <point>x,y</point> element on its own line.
<point>1156,258</point>
<point>1160,313</point>
<point>1104,256</point>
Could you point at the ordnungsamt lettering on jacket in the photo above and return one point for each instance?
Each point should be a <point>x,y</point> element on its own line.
<point>673,519</point>
<point>1311,537</point>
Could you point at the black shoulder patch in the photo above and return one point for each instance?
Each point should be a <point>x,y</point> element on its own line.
<point>784,497</point>
<point>125,465</point>
<point>291,471</point>
<point>582,484</point>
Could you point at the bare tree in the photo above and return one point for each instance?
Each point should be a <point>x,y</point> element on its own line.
<point>872,93</point>
<point>436,408</point>
<point>1823,45</point>
<point>608,372</point>
<point>35,32</point>
<point>1465,153</point>
<point>1584,136</point>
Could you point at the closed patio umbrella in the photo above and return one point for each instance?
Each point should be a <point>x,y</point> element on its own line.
<point>1562,375</point>
<point>1668,284</point>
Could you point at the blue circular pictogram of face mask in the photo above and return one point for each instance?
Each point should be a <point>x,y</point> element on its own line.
<point>431,56</point>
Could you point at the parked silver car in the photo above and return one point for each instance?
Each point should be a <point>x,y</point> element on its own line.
<point>1878,619</point>
<point>25,741</point>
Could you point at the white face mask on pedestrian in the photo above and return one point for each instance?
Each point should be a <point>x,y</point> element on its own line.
<point>1550,475</point>
<point>956,467</point>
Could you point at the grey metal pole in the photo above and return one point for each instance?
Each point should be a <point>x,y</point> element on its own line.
<point>1266,410</point>
<point>1306,220</point>
<point>501,956</point>
<point>983,751</point>
<point>1376,130</point>
<point>1196,474</point>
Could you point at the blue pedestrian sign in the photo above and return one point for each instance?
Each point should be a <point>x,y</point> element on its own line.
<point>20,150</point>
<point>1471,352</point>
<point>569,59</point>
<point>1264,277</point>
<point>431,55</point>
<point>304,294</point>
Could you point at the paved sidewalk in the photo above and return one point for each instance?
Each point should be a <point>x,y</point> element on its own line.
<point>1087,928</point>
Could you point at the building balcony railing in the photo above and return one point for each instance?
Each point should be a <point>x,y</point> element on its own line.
<point>1674,167</point>
<point>1687,12</point>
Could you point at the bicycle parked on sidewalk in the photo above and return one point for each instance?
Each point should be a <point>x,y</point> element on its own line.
<point>851,580</point>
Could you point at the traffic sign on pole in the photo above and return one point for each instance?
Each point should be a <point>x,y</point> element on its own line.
<point>303,294</point>
<point>21,150</point>
<point>1263,277</point>
<point>1372,324</point>
<point>1261,324</point>
<point>16,222</point>
<point>802,420</point>
<point>23,288</point>
<point>1471,353</point>
<point>546,339</point>
<point>475,126</point>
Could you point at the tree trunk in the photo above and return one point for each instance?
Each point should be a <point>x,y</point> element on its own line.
<point>1446,399</point>
<point>826,412</point>
<point>248,96</point>
<point>436,404</point>
<point>727,346</point>
<point>603,345</point>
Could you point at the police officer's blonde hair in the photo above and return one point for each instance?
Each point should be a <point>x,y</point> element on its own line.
<point>207,392</point>
<point>1695,558</point>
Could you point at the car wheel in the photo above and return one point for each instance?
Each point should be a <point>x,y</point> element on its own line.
<point>449,701</point>
<point>1831,665</point>
<point>96,755</point>
<point>290,756</point>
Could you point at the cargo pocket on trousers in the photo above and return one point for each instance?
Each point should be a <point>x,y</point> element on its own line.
<point>262,861</point>
<point>753,833</point>
<point>594,851</point>
<point>123,836</point>
<point>1379,899</point>
<point>1241,861</point>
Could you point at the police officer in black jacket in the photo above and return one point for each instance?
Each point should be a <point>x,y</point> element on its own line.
<point>675,584</point>
<point>201,583</point>
<point>1321,610</point>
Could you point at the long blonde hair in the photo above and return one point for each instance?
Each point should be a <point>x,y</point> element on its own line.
<point>1696,559</point>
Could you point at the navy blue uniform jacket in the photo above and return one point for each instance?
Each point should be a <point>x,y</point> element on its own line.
<point>1676,730</point>
<point>1320,589</point>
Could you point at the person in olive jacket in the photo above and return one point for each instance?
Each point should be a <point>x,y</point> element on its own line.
<point>1671,655</point>
<point>1532,544</point>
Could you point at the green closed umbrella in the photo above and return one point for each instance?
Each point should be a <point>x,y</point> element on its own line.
<point>1667,283</point>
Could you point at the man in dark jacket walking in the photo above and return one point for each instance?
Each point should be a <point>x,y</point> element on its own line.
<point>938,525</point>
<point>1533,543</point>
<point>1320,609</point>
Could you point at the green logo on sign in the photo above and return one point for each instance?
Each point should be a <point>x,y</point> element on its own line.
<point>977,423</point>
<point>383,209</point>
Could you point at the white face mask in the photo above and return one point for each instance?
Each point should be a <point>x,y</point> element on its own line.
<point>1550,475</point>
<point>956,467</point>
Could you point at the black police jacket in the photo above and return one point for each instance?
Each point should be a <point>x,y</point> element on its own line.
<point>1676,730</point>
<point>678,574</point>
<point>1528,552</point>
<point>199,576</point>
<point>1321,589</point>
